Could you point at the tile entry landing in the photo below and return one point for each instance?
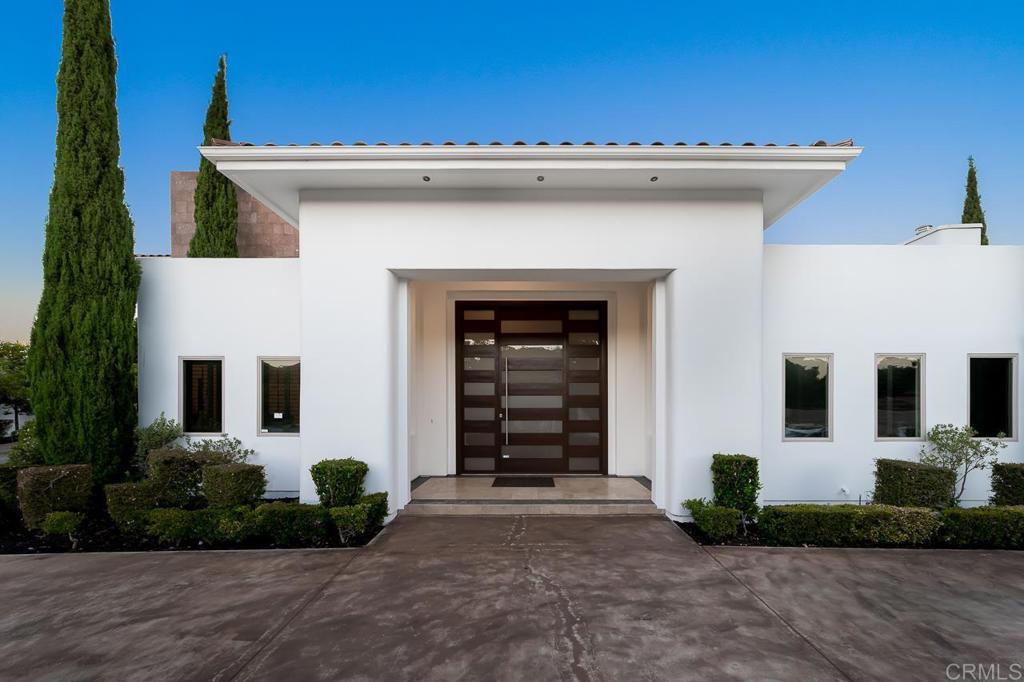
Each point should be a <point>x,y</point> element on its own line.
<point>475,495</point>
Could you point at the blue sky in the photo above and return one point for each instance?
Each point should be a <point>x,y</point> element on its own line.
<point>919,85</point>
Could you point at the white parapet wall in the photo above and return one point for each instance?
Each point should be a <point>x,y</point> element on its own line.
<point>238,309</point>
<point>945,302</point>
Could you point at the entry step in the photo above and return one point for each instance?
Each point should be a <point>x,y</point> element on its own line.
<point>463,507</point>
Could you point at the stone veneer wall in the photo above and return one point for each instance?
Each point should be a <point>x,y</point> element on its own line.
<point>261,232</point>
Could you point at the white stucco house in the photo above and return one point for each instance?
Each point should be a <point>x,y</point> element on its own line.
<point>612,310</point>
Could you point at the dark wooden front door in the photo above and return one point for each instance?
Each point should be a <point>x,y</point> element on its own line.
<point>532,387</point>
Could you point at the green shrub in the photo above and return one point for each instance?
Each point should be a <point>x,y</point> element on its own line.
<point>350,521</point>
<point>10,516</point>
<point>225,450</point>
<point>42,490</point>
<point>1007,484</point>
<point>233,485</point>
<point>847,525</point>
<point>718,523</point>
<point>202,526</point>
<point>378,508</point>
<point>236,525</point>
<point>129,505</point>
<point>339,482</point>
<point>176,476</point>
<point>8,488</point>
<point>288,524</point>
<point>62,523</point>
<point>25,452</point>
<point>161,433</point>
<point>993,527</point>
<point>736,482</point>
<point>911,484</point>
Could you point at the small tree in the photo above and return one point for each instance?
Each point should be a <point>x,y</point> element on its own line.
<point>14,378</point>
<point>958,448</point>
<point>973,213</point>
<point>216,211</point>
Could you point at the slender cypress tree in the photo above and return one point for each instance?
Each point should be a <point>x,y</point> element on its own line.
<point>216,209</point>
<point>82,356</point>
<point>973,212</point>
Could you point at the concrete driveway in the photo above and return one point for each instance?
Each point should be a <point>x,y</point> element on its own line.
<point>512,598</point>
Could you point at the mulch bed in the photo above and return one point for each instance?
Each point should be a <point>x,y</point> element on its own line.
<point>751,539</point>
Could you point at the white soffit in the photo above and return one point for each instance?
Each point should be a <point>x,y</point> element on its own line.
<point>784,175</point>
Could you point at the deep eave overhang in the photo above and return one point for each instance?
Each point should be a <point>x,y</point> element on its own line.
<point>784,175</point>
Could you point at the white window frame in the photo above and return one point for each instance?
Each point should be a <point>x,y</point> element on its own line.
<point>1014,404</point>
<point>223,394</point>
<point>259,397</point>
<point>830,358</point>
<point>922,427</point>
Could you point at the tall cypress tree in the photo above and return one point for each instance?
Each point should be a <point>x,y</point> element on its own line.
<point>82,356</point>
<point>973,213</point>
<point>216,209</point>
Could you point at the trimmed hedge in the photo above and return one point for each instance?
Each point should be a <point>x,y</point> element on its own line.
<point>718,523</point>
<point>42,490</point>
<point>129,504</point>
<point>288,524</point>
<point>203,526</point>
<point>1007,484</point>
<point>911,484</point>
<point>176,476</point>
<point>847,525</point>
<point>339,482</point>
<point>9,514</point>
<point>233,485</point>
<point>988,527</point>
<point>62,523</point>
<point>350,521</point>
<point>736,482</point>
<point>378,509</point>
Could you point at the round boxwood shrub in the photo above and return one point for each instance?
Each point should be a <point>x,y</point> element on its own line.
<point>42,490</point>
<point>62,523</point>
<point>129,504</point>
<point>339,482</point>
<point>350,521</point>
<point>233,485</point>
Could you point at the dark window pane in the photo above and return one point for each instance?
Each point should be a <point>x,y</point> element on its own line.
<point>584,315</point>
<point>992,397</point>
<point>280,381</point>
<point>201,402</point>
<point>806,397</point>
<point>899,396</point>
<point>534,326</point>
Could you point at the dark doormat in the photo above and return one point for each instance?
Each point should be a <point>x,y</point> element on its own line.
<point>523,482</point>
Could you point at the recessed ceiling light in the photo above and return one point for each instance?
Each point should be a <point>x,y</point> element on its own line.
<point>654,178</point>
<point>426,178</point>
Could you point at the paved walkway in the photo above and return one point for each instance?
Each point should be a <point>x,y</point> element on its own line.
<point>512,598</point>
